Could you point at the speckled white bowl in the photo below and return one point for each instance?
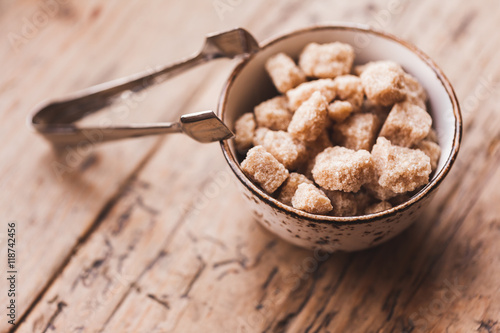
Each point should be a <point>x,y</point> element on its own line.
<point>249,85</point>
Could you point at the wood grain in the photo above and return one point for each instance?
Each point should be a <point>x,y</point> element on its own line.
<point>150,235</point>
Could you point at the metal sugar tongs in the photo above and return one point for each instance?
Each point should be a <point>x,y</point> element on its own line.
<point>55,119</point>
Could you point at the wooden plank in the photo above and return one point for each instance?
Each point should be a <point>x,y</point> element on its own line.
<point>176,250</point>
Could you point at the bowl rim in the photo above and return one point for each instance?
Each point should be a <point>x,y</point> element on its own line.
<point>338,220</point>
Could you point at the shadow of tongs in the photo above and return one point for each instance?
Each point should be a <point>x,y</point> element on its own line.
<point>55,119</point>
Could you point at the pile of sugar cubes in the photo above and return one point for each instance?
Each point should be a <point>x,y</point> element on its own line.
<point>339,141</point>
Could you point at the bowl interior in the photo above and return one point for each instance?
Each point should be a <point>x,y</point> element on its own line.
<point>250,84</point>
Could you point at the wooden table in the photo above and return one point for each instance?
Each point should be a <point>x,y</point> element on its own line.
<point>151,235</point>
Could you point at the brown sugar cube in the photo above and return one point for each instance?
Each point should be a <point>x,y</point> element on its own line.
<point>309,120</point>
<point>303,92</point>
<point>343,203</point>
<point>378,207</point>
<point>313,148</point>
<point>311,199</point>
<point>432,136</point>
<point>406,125</point>
<point>326,60</point>
<point>414,91</point>
<point>380,111</point>
<point>259,135</point>
<point>306,168</point>
<point>363,199</point>
<point>284,73</point>
<point>265,170</point>
<point>244,129</point>
<point>342,169</point>
<point>383,82</point>
<point>359,131</point>
<point>317,146</point>
<point>287,150</point>
<point>349,88</point>
<point>379,192</point>
<point>400,169</point>
<point>400,199</point>
<point>358,70</point>
<point>273,114</point>
<point>290,186</point>
<point>328,121</point>
<point>339,110</point>
<point>430,149</point>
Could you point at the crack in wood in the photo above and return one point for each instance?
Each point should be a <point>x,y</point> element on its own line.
<point>116,307</point>
<point>196,276</point>
<point>163,303</point>
<point>227,272</point>
<point>109,281</point>
<point>50,323</point>
<point>122,220</point>
<point>145,207</point>
<point>91,159</point>
<point>239,261</point>
<point>215,241</point>
<point>486,325</point>
<point>326,321</point>
<point>242,259</point>
<point>78,329</point>
<point>463,25</point>
<point>390,303</point>
<point>407,328</point>
<point>493,145</point>
<point>152,263</point>
<point>207,238</point>
<point>90,273</point>
<point>270,277</point>
<point>122,257</point>
<point>356,309</point>
<point>192,237</point>
<point>264,286</point>
<point>52,300</point>
<point>283,324</point>
<point>269,245</point>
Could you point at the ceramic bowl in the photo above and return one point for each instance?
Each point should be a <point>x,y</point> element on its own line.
<point>249,84</point>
